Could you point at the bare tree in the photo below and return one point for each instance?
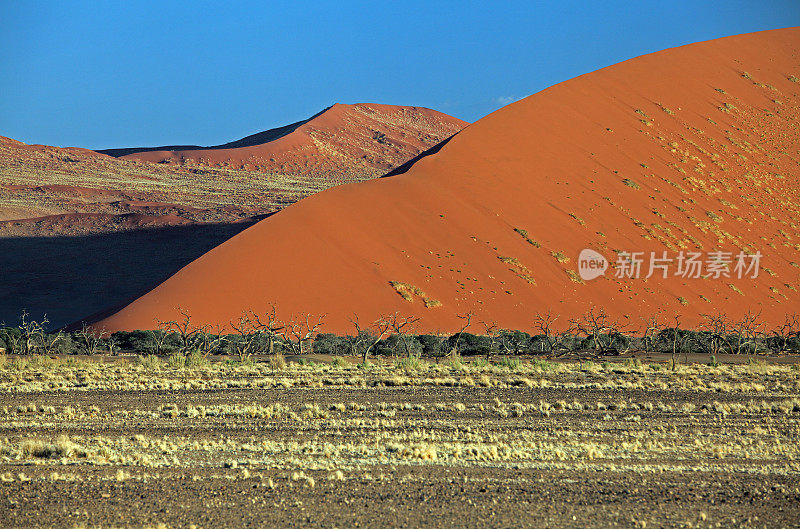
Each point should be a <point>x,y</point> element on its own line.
<point>511,342</point>
<point>544,323</point>
<point>490,328</point>
<point>48,342</point>
<point>268,325</point>
<point>186,331</point>
<point>717,329</point>
<point>466,318</point>
<point>299,330</point>
<point>403,327</point>
<point>112,343</point>
<point>790,328</point>
<point>207,342</point>
<point>365,339</point>
<point>748,331</point>
<point>598,327</point>
<point>89,338</point>
<point>569,331</point>
<point>158,339</point>
<point>248,333</point>
<point>677,338</point>
<point>650,332</point>
<point>31,332</point>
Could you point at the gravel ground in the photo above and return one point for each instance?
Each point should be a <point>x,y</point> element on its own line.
<point>569,446</point>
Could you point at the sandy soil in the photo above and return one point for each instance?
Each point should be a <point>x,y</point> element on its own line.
<point>625,444</point>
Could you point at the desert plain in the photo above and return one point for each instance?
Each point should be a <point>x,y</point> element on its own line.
<point>330,443</point>
<point>377,317</point>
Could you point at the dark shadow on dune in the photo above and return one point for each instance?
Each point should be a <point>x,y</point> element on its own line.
<point>249,141</point>
<point>70,278</point>
<point>400,169</point>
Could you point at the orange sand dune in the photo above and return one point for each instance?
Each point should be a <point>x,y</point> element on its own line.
<point>250,177</point>
<point>693,148</point>
<point>342,140</point>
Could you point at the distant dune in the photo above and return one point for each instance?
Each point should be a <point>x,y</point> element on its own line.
<point>81,231</point>
<point>342,143</point>
<point>691,149</point>
<point>251,177</point>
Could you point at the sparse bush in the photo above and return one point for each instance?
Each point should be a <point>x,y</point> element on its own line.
<point>277,361</point>
<point>340,362</point>
<point>177,361</point>
<point>454,361</point>
<point>365,365</point>
<point>61,447</point>
<point>630,183</point>
<point>510,363</point>
<point>480,363</point>
<point>410,363</point>
<point>543,365</point>
<point>634,363</point>
<point>196,359</point>
<point>150,362</point>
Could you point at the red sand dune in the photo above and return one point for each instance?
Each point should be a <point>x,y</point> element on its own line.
<point>341,140</point>
<point>251,177</point>
<point>692,148</point>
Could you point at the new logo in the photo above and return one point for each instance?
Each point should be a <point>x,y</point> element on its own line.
<point>591,264</point>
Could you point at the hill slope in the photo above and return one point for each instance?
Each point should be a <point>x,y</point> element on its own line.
<point>343,143</point>
<point>692,148</point>
<point>67,191</point>
<point>81,231</point>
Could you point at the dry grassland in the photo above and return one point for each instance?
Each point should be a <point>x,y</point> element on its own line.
<point>138,443</point>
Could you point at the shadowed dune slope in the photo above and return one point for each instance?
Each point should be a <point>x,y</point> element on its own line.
<point>692,148</point>
<point>66,277</point>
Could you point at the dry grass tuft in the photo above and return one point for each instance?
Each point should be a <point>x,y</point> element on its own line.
<point>630,183</point>
<point>408,292</point>
<point>519,269</point>
<point>524,235</point>
<point>61,447</point>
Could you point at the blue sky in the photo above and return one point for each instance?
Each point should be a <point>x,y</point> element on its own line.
<point>100,75</point>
